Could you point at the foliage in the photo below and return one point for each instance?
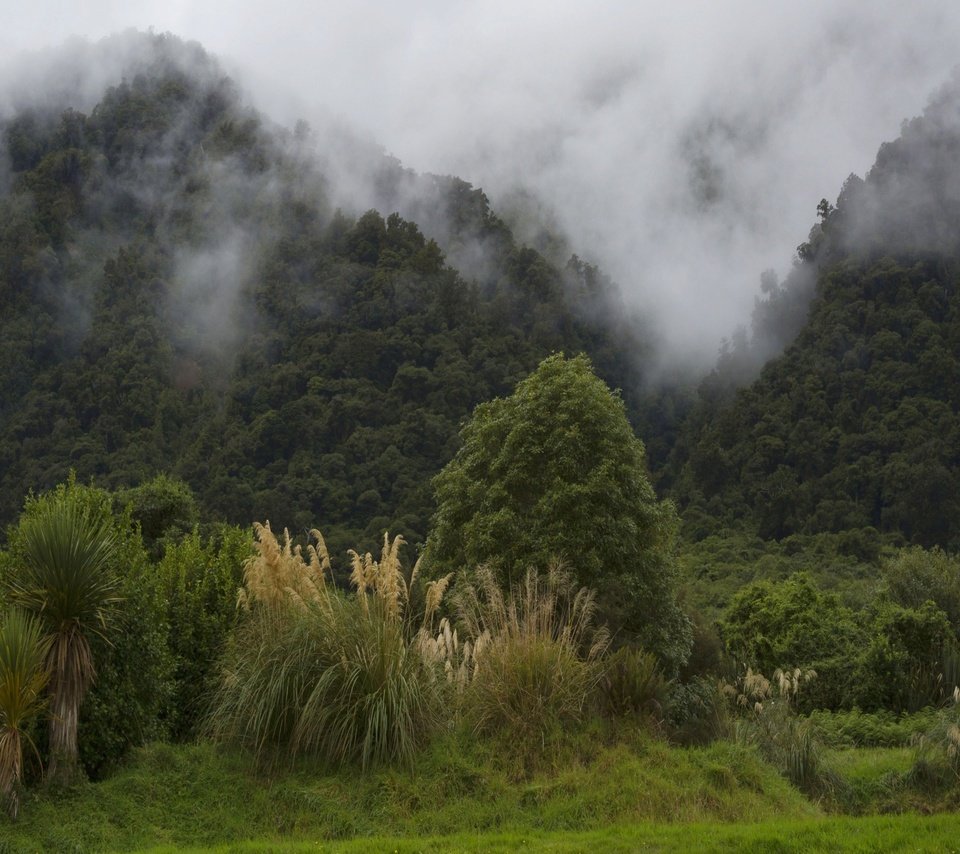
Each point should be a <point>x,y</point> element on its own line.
<point>902,668</point>
<point>793,623</point>
<point>915,576</point>
<point>633,684</point>
<point>199,578</point>
<point>312,672</point>
<point>853,427</point>
<point>241,336</point>
<point>699,712</point>
<point>23,677</point>
<point>536,655</point>
<point>555,471</point>
<point>165,509</point>
<point>133,667</point>
<point>65,576</point>
<point>882,728</point>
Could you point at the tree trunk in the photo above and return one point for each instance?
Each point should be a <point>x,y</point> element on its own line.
<point>71,668</point>
<point>64,764</point>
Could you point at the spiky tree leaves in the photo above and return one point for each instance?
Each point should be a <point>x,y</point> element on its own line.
<point>65,576</point>
<point>556,471</point>
<point>23,676</point>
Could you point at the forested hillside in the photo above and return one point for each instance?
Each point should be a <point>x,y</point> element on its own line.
<point>857,424</point>
<point>181,296</point>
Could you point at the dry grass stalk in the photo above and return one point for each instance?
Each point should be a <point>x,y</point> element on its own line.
<point>384,579</point>
<point>278,575</point>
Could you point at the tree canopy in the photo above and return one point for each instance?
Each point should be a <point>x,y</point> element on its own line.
<point>556,471</point>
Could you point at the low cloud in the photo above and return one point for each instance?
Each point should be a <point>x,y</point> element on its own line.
<point>683,147</point>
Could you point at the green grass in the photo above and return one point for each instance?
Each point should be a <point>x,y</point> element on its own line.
<point>600,790</point>
<point>182,796</point>
<point>879,834</point>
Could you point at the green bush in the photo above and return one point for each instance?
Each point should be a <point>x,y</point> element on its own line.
<point>633,684</point>
<point>902,666</point>
<point>126,703</point>
<point>200,579</point>
<point>794,624</point>
<point>698,712</point>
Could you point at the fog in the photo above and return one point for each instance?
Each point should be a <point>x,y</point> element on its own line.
<point>683,147</point>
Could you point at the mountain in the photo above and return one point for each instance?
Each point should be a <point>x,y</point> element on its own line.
<point>183,293</point>
<point>856,425</point>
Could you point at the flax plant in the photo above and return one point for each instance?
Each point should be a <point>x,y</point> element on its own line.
<point>23,651</point>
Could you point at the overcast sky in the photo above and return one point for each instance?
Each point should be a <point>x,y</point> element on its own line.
<point>683,146</point>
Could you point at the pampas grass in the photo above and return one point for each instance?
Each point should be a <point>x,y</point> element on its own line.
<point>314,672</point>
<point>535,657</point>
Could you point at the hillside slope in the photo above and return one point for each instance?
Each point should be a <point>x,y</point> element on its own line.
<point>857,424</point>
<point>181,295</point>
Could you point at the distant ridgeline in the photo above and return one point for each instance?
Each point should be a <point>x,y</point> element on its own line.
<point>856,424</point>
<point>180,295</point>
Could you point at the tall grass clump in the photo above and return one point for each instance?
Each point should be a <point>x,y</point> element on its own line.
<point>536,654</point>
<point>768,720</point>
<point>23,677</point>
<point>313,672</point>
<point>633,685</point>
<point>937,760</point>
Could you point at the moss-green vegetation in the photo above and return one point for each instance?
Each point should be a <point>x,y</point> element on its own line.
<point>193,795</point>
<point>866,836</point>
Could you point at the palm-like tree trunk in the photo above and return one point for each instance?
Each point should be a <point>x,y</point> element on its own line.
<point>71,663</point>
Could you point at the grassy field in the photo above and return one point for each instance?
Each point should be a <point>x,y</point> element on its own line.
<point>193,795</point>
<point>628,794</point>
<point>878,834</point>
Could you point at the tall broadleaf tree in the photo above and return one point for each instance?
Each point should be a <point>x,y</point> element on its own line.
<point>556,471</point>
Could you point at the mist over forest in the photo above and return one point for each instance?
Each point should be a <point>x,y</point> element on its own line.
<point>628,338</point>
<point>682,151</point>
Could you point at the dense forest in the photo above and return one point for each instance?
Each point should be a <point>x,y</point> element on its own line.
<point>200,336</point>
<point>182,299</point>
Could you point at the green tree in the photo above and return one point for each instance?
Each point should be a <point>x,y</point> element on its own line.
<point>65,576</point>
<point>790,624</point>
<point>555,470</point>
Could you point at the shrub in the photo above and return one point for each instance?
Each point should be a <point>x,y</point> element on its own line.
<point>633,684</point>
<point>793,623</point>
<point>698,712</point>
<point>536,654</point>
<point>123,706</point>
<point>199,581</point>
<point>312,672</point>
<point>903,666</point>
